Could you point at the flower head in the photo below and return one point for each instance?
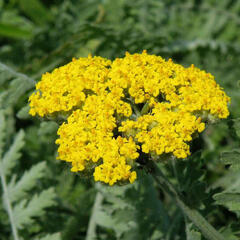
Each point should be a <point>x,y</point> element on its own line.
<point>117,110</point>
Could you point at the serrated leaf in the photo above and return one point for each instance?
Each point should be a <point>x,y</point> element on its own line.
<point>16,89</point>
<point>126,216</point>
<point>115,222</point>
<point>6,73</point>
<point>25,212</point>
<point>18,190</point>
<point>231,158</point>
<point>103,219</point>
<point>230,200</point>
<point>19,84</point>
<point>230,181</point>
<point>12,155</point>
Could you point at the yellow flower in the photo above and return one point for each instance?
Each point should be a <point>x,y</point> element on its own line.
<point>67,87</point>
<point>117,110</point>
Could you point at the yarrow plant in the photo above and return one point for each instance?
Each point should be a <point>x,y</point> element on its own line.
<point>119,111</point>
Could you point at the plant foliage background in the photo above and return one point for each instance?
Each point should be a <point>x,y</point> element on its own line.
<point>46,201</point>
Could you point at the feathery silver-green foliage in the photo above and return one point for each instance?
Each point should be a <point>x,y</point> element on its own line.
<point>25,210</point>
<point>21,204</point>
<point>132,207</point>
<point>230,197</point>
<point>17,84</point>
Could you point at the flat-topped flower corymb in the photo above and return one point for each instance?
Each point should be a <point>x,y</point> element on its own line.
<point>118,110</point>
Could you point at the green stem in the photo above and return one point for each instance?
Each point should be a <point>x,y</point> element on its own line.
<point>8,204</point>
<point>91,231</point>
<point>200,222</point>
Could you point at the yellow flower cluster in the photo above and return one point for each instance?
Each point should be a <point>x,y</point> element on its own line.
<point>118,110</point>
<point>66,87</point>
<point>88,142</point>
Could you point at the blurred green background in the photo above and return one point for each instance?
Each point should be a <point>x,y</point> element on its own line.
<point>37,36</point>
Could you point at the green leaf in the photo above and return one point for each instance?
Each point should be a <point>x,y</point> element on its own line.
<point>231,158</point>
<point>191,233</point>
<point>27,182</point>
<point>115,221</point>
<point>36,11</point>
<point>46,128</point>
<point>12,155</point>
<point>24,211</point>
<point>11,31</point>
<point>16,89</point>
<point>20,210</point>
<point>230,200</point>
<point>128,216</point>
<point>19,84</point>
<point>230,233</point>
<point>23,113</point>
<point>189,175</point>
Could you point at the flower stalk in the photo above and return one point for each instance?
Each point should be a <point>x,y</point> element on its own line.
<point>200,222</point>
<point>91,231</point>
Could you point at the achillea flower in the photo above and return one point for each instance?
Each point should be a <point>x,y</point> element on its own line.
<point>118,110</point>
<point>66,87</point>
